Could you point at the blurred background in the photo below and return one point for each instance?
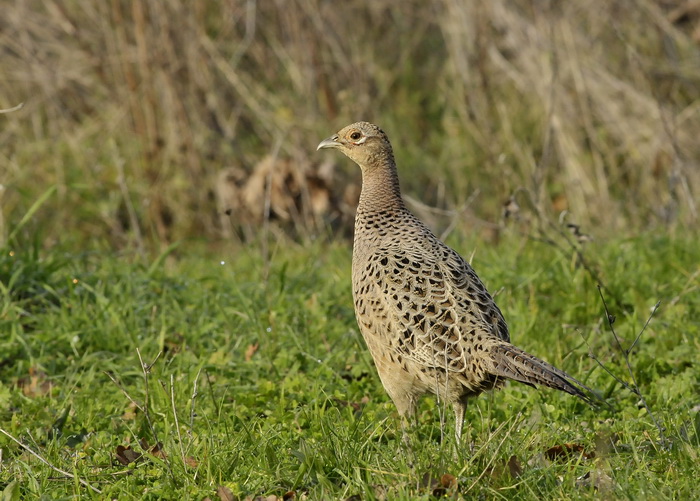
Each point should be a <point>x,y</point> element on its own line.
<point>145,123</point>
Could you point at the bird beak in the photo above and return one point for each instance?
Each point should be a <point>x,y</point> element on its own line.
<point>329,142</point>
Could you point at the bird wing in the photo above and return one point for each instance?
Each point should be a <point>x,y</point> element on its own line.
<point>439,311</point>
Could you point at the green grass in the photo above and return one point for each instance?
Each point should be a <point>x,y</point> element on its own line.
<point>264,386</point>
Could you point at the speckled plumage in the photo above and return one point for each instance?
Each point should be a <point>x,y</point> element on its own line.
<point>428,321</point>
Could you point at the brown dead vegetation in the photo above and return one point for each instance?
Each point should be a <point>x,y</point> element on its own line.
<point>153,117</point>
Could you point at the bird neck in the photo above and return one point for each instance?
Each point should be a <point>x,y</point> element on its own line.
<point>380,187</point>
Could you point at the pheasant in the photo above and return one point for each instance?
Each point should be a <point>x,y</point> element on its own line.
<point>428,321</point>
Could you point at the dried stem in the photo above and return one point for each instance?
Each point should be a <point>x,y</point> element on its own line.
<point>10,110</point>
<point>634,386</point>
<point>193,399</point>
<point>146,369</point>
<point>47,463</point>
<point>177,423</point>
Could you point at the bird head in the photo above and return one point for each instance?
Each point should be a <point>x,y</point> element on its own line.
<point>362,142</point>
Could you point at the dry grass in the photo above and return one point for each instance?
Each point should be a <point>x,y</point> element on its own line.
<point>134,108</point>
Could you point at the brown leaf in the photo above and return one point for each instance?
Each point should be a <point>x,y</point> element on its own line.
<point>225,494</point>
<point>446,486</point>
<point>191,462</point>
<point>126,455</point>
<point>156,450</point>
<point>448,481</point>
<point>438,486</point>
<point>564,452</point>
<point>250,351</point>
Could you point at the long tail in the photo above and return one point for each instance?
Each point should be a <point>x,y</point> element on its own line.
<point>513,363</point>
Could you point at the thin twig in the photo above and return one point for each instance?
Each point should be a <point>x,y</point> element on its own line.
<point>564,250</point>
<point>656,307</point>
<point>626,352</point>
<point>602,366</point>
<point>47,463</point>
<point>216,404</point>
<point>177,422</point>
<point>193,399</point>
<point>582,259</point>
<point>211,391</point>
<point>126,393</point>
<point>146,369</point>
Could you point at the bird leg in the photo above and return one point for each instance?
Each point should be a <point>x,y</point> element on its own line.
<point>459,407</point>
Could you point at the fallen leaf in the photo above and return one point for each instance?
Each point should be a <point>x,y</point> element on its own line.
<point>439,486</point>
<point>225,494</point>
<point>126,455</point>
<point>155,451</point>
<point>447,486</point>
<point>191,462</point>
<point>448,481</point>
<point>250,351</point>
<point>565,452</point>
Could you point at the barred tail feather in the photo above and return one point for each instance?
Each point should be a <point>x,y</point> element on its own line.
<point>513,363</point>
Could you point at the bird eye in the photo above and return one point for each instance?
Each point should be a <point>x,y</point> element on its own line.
<point>355,136</point>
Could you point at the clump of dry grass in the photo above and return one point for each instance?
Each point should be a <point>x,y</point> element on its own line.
<point>134,108</point>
